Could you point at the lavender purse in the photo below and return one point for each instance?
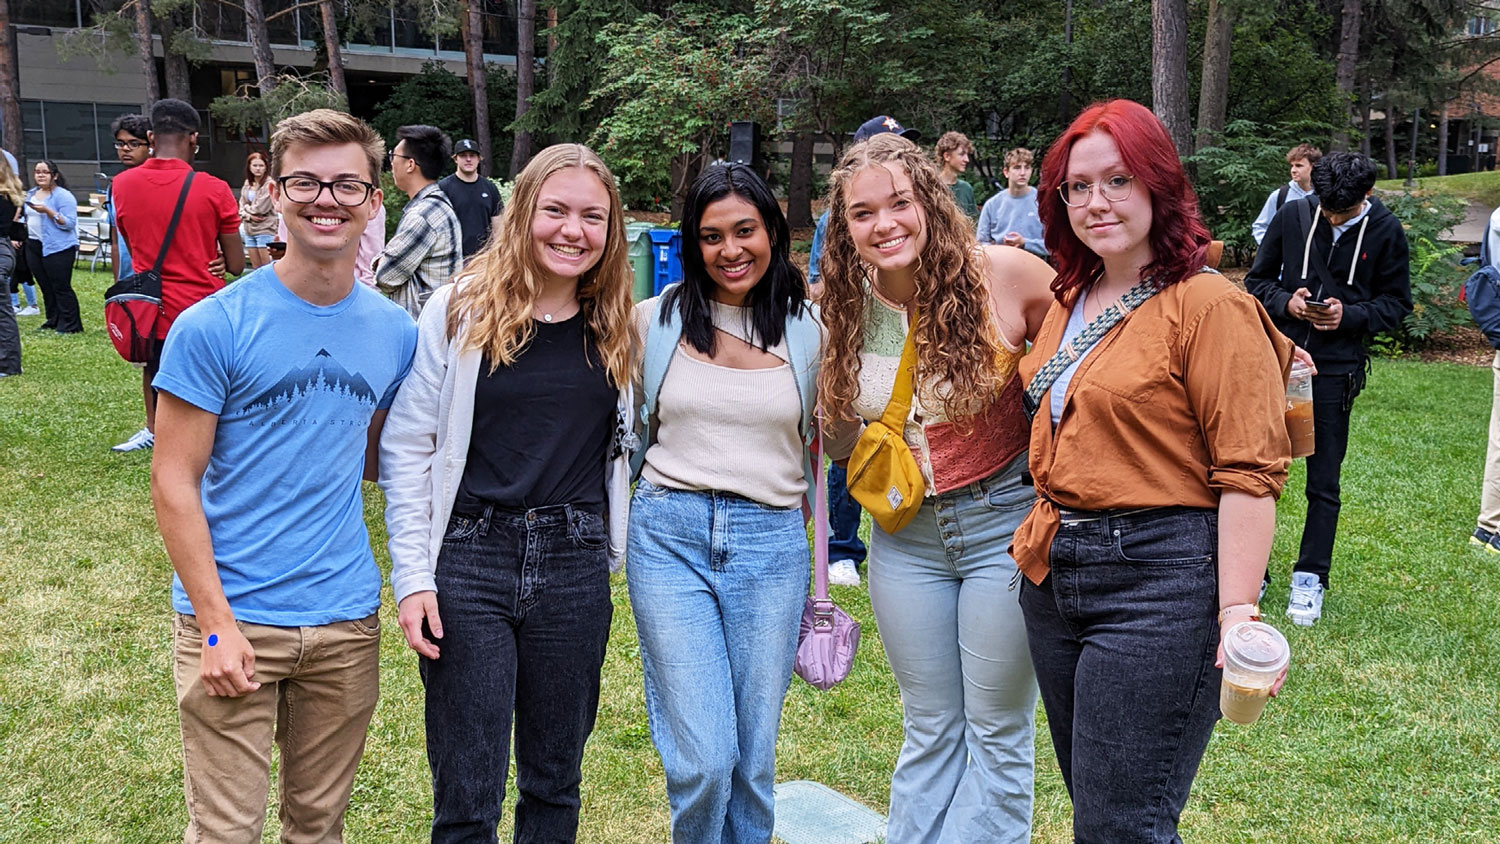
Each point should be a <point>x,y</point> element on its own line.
<point>828,637</point>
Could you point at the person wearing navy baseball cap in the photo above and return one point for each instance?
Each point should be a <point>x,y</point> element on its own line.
<point>884,123</point>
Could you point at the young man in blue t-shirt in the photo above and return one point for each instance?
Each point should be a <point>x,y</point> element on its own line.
<point>1010,216</point>
<point>272,396</point>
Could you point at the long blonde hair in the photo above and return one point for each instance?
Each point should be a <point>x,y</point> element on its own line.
<point>498,287</point>
<point>956,338</point>
<point>10,184</point>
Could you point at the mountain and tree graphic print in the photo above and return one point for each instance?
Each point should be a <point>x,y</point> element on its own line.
<point>323,381</point>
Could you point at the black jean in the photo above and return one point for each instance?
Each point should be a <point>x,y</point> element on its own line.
<point>525,604</point>
<point>10,333</point>
<point>54,274</point>
<point>1333,400</point>
<point>1123,634</point>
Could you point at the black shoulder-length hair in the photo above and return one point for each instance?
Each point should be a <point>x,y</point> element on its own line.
<point>781,292</point>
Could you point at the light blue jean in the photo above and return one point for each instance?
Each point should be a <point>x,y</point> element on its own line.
<point>15,298</point>
<point>717,583</point>
<point>952,628</point>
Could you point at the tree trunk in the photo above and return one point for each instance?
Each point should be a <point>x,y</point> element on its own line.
<point>179,84</point>
<point>1442,151</point>
<point>1169,82</point>
<point>144,52</point>
<point>1344,68</point>
<point>684,171</point>
<point>1364,119</point>
<point>1411,153</point>
<point>1213,96</point>
<point>260,46</point>
<point>1390,139</point>
<point>473,35</point>
<point>10,92</point>
<point>335,53</point>
<point>799,188</point>
<point>525,80</point>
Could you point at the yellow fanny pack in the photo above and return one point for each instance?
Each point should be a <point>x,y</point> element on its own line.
<point>883,475</point>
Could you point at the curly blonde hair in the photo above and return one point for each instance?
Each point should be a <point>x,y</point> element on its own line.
<point>956,338</point>
<point>499,285</point>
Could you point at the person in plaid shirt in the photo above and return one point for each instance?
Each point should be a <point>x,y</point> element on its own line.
<point>426,249</point>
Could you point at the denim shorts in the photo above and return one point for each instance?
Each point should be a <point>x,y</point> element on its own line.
<point>257,241</point>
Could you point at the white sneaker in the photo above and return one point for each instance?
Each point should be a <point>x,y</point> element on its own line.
<point>843,573</point>
<point>139,440</point>
<point>1305,606</point>
<point>29,310</point>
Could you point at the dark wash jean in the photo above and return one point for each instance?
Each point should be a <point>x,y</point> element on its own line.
<point>525,604</point>
<point>1123,633</point>
<point>1333,401</point>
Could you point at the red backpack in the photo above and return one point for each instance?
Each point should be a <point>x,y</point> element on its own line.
<point>133,305</point>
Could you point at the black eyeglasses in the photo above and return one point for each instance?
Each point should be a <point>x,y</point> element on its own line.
<point>305,190</point>
<point>130,145</point>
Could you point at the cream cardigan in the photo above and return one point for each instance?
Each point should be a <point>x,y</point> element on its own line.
<point>425,444</point>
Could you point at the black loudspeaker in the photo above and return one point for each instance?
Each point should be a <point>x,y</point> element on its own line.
<point>744,143</point>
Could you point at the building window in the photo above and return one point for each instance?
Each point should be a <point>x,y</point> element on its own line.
<point>78,133</point>
<point>59,13</point>
<point>1480,26</point>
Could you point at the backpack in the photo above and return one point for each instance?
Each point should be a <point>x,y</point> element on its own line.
<point>1482,294</point>
<point>133,305</point>
<point>1282,194</point>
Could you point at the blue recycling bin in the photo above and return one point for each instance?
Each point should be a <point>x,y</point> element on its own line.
<point>666,258</point>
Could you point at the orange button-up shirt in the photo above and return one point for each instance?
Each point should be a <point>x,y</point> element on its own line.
<point>1183,399</point>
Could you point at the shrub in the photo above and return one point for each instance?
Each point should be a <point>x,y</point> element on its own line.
<point>1436,277</point>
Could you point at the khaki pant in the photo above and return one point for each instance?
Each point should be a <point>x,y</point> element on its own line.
<point>1489,496</point>
<point>318,690</point>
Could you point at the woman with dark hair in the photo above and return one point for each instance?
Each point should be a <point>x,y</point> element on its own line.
<point>258,216</point>
<point>717,545</point>
<point>902,266</point>
<point>1157,451</point>
<point>52,244</point>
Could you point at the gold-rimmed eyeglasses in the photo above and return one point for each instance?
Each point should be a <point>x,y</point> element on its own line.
<point>1115,188</point>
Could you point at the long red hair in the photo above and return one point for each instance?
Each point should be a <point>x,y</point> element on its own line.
<point>1179,240</point>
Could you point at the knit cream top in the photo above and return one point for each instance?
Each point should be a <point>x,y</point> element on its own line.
<point>731,430</point>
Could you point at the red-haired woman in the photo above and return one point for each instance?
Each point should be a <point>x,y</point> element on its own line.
<point>259,216</point>
<point>1157,450</point>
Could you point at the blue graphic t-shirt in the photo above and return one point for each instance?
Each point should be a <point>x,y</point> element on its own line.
<point>294,386</point>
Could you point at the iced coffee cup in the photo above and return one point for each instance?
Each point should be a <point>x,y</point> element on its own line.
<point>1299,409</point>
<point>1254,655</point>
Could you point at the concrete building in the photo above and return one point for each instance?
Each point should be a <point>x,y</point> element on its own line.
<point>67,105</point>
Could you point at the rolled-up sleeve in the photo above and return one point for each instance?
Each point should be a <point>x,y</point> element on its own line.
<point>1235,367</point>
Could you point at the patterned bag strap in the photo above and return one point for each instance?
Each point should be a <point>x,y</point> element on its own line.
<point>1085,340</point>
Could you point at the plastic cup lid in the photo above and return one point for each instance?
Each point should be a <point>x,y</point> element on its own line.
<point>1257,646</point>
<point>1299,368</point>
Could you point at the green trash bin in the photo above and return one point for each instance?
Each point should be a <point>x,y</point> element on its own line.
<point>636,234</point>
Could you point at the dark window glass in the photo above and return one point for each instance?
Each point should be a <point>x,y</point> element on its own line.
<point>221,21</point>
<point>409,34</point>
<point>107,112</point>
<point>70,132</point>
<point>44,12</point>
<point>282,28</point>
<point>500,34</point>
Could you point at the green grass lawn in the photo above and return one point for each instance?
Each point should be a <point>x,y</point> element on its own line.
<point>1483,188</point>
<point>1386,730</point>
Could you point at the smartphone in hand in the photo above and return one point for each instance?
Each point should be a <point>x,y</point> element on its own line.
<point>1314,305</point>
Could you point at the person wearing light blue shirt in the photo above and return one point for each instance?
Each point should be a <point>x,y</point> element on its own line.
<point>273,394</point>
<point>1300,159</point>
<point>1010,218</point>
<point>51,246</point>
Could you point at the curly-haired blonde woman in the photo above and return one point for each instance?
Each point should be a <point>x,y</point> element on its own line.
<point>941,586</point>
<point>502,464</point>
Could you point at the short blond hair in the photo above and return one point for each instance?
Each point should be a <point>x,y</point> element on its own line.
<point>325,127</point>
<point>1019,155</point>
<point>952,142</point>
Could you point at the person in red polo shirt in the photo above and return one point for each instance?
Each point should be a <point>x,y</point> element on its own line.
<point>144,197</point>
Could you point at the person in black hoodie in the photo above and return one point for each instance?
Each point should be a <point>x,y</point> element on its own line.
<point>1333,273</point>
